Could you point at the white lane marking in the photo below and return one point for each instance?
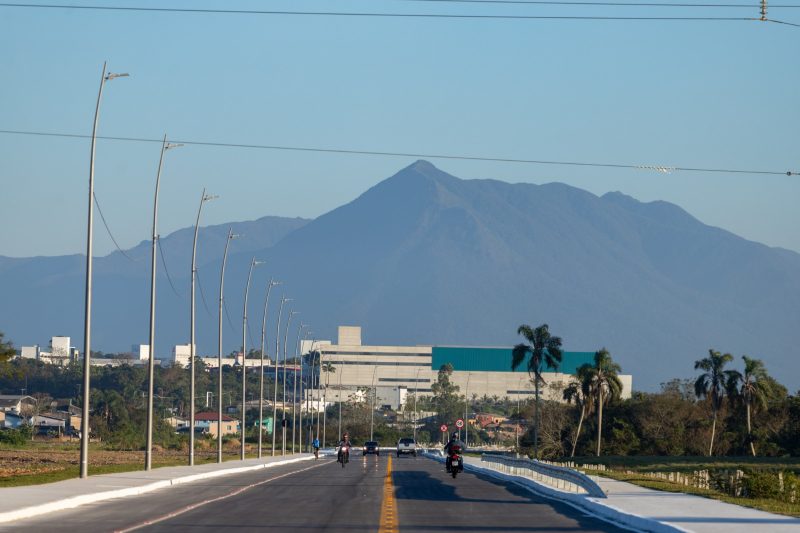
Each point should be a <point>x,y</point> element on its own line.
<point>193,506</point>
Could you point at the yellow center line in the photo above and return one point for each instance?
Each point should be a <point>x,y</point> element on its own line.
<point>389,506</point>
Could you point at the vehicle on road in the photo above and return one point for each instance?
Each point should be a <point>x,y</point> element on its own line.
<point>372,446</point>
<point>344,454</point>
<point>454,463</point>
<point>406,446</point>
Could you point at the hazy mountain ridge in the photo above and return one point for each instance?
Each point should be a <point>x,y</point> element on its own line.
<point>426,258</point>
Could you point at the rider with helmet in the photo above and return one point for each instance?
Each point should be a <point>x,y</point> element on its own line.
<point>454,441</point>
<point>345,442</point>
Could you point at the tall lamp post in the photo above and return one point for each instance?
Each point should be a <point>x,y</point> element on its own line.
<point>203,199</point>
<point>300,328</point>
<point>271,284</point>
<point>148,453</point>
<point>284,420</point>
<point>253,263</point>
<point>87,326</point>
<point>372,402</point>
<point>284,299</point>
<point>228,240</point>
<point>416,393</point>
<point>466,414</point>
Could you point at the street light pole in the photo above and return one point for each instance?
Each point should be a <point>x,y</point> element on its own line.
<point>284,420</point>
<point>271,284</point>
<point>416,393</point>
<point>340,406</point>
<point>87,326</point>
<point>148,453</point>
<point>203,199</point>
<point>300,328</point>
<point>372,402</point>
<point>277,357</point>
<point>466,415</point>
<point>253,263</point>
<point>228,240</point>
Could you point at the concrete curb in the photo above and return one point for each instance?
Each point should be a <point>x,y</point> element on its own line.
<point>593,506</point>
<point>70,503</point>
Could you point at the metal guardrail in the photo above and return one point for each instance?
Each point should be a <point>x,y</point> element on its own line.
<point>557,477</point>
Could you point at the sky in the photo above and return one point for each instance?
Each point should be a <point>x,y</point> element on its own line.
<point>710,94</point>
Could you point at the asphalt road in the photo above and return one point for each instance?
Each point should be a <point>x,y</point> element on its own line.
<point>322,496</point>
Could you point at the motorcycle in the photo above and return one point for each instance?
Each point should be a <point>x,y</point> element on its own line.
<point>455,463</point>
<point>344,455</point>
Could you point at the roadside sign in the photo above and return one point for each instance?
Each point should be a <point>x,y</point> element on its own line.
<point>459,423</point>
<point>443,428</point>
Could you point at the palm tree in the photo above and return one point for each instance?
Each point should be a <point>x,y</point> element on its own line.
<point>578,390</point>
<point>544,349</point>
<point>751,387</point>
<point>602,385</point>
<point>711,384</point>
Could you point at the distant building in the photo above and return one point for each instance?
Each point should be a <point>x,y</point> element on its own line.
<point>398,372</point>
<point>61,352</point>
<point>17,403</point>
<point>180,356</point>
<point>141,352</point>
<point>208,422</point>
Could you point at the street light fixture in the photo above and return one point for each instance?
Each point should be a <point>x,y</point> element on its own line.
<point>148,454</point>
<point>253,264</point>
<point>228,240</point>
<point>277,355</point>
<point>87,326</point>
<point>271,284</point>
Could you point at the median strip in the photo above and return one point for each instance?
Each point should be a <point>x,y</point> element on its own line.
<point>389,522</point>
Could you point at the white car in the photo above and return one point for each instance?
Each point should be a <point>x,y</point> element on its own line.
<point>406,445</point>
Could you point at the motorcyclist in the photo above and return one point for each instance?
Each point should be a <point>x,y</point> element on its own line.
<point>454,441</point>
<point>342,443</point>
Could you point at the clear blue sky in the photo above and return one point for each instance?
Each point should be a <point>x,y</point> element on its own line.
<point>694,94</point>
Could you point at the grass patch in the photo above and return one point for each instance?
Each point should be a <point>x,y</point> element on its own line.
<point>762,504</point>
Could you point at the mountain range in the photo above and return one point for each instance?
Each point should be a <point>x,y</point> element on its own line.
<point>424,257</point>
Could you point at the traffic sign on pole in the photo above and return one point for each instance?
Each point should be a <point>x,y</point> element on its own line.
<point>459,423</point>
<point>443,428</point>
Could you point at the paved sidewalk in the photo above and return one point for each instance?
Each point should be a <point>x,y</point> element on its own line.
<point>676,511</point>
<point>33,500</point>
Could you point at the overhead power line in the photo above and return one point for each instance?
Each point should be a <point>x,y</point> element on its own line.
<point>105,223</point>
<point>362,14</point>
<point>591,4</point>
<point>657,168</point>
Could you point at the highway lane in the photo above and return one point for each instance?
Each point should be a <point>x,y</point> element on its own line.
<point>321,496</point>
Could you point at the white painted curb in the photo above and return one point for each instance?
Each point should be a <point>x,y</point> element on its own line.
<point>70,503</point>
<point>593,506</point>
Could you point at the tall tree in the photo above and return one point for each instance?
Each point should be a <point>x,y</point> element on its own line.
<point>711,384</point>
<point>602,385</point>
<point>544,349</point>
<point>752,388</point>
<point>579,391</point>
<point>7,350</point>
<point>446,401</point>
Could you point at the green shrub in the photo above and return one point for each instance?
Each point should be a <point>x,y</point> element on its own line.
<point>16,437</point>
<point>762,485</point>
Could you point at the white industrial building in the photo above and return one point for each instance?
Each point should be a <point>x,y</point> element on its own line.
<point>61,352</point>
<point>395,372</point>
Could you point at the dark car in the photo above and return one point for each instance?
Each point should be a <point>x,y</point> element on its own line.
<point>372,447</point>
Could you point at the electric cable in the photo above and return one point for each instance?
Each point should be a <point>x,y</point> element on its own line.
<point>103,218</point>
<point>629,166</point>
